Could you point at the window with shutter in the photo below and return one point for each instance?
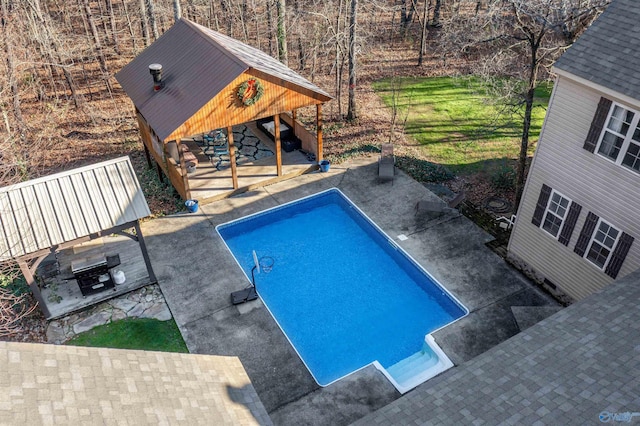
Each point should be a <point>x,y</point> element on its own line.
<point>601,245</point>
<point>619,254</point>
<point>585,234</point>
<point>619,139</point>
<point>597,124</point>
<point>569,223</point>
<point>541,206</point>
<point>555,213</point>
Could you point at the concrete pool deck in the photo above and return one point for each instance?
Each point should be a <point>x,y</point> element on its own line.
<point>197,274</point>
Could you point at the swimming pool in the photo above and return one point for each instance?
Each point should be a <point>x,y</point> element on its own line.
<point>342,291</point>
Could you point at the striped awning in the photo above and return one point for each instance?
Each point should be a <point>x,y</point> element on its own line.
<point>63,207</point>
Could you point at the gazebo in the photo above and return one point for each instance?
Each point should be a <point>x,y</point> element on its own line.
<point>194,80</point>
<point>54,228</point>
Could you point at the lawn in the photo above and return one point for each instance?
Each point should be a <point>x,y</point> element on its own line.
<point>138,333</point>
<point>455,123</point>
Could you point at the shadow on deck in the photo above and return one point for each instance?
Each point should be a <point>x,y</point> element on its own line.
<point>210,182</point>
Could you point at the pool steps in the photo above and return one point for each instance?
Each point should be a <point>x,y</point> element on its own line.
<point>419,367</point>
<point>410,367</point>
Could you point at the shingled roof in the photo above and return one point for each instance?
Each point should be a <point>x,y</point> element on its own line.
<point>198,63</point>
<point>608,53</point>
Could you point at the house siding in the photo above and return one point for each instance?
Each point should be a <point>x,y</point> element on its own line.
<point>598,185</point>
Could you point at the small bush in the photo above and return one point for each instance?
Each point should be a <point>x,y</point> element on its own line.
<point>504,178</point>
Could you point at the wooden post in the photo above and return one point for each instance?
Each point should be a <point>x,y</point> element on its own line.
<point>232,157</point>
<point>183,170</point>
<point>319,132</point>
<point>159,170</point>
<point>147,154</point>
<point>276,131</point>
<point>294,116</point>
<point>145,254</point>
<point>33,285</point>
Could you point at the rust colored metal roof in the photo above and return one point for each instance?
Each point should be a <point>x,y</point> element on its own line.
<point>197,64</point>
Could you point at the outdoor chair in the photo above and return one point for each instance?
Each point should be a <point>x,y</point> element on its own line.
<point>386,163</point>
<point>439,206</point>
<point>216,143</point>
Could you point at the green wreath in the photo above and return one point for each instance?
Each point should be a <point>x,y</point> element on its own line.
<point>250,91</point>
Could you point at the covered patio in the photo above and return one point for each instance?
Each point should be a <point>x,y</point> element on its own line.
<point>76,235</point>
<point>194,85</point>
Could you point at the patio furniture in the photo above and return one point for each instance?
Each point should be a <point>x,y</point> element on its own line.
<point>386,163</point>
<point>189,157</point>
<point>439,206</point>
<point>216,143</point>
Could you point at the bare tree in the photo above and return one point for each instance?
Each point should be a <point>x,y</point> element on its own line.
<point>151,11</point>
<point>519,39</point>
<point>281,32</point>
<point>11,68</point>
<point>114,28</point>
<point>177,10</point>
<point>353,22</point>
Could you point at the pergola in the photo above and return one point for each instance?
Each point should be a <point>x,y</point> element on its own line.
<point>199,77</point>
<point>41,216</point>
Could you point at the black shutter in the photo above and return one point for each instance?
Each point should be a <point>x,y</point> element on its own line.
<point>585,234</point>
<point>569,223</point>
<point>597,124</point>
<point>543,199</point>
<point>620,252</point>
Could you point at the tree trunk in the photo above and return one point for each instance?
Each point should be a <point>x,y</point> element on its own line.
<point>151,9</point>
<point>11,70</point>
<point>526,122</point>
<point>114,28</point>
<point>270,27</point>
<point>339,60</point>
<point>96,36</point>
<point>424,33</point>
<point>353,22</point>
<point>143,23</point>
<point>177,10</point>
<point>281,6</point>
<point>524,145</point>
<point>436,13</point>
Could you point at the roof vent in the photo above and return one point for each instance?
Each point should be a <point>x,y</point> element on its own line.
<point>156,72</point>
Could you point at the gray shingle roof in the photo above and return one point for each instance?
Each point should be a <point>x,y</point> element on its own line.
<point>568,369</point>
<point>608,53</point>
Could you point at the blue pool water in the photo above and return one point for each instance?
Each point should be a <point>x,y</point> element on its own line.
<point>343,293</point>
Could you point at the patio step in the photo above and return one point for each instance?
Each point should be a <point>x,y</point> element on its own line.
<point>415,365</point>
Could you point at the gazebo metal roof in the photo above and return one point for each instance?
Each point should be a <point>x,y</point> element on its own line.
<point>52,210</point>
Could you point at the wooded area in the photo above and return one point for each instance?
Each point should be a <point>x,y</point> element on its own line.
<point>61,107</point>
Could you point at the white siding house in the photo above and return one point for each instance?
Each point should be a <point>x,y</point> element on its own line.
<point>580,211</point>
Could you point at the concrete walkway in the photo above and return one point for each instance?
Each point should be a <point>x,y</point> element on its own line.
<point>197,273</point>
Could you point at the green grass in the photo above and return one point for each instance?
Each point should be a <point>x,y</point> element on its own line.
<point>456,125</point>
<point>136,333</point>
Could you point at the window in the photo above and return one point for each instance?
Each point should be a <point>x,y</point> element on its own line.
<point>555,213</point>
<point>596,242</point>
<point>602,242</point>
<point>620,138</point>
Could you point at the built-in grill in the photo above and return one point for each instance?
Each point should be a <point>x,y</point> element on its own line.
<point>92,274</point>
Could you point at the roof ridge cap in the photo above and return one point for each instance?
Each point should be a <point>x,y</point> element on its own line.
<point>201,30</point>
